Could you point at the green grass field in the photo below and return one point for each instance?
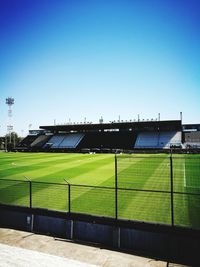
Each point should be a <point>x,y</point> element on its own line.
<point>143,175</point>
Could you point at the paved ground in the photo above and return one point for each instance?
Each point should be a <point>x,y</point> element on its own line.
<point>20,248</point>
<point>14,256</point>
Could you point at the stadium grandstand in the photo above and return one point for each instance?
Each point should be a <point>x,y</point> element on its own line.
<point>191,136</point>
<point>113,136</point>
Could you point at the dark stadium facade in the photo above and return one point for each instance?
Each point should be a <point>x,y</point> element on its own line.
<point>113,137</point>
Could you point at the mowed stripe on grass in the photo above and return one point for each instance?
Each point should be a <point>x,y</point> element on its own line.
<point>146,206</point>
<point>62,166</point>
<point>143,173</point>
<point>82,169</point>
<point>77,168</point>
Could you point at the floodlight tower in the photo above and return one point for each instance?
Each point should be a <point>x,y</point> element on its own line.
<point>10,102</point>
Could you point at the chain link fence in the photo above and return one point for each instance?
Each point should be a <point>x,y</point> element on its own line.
<point>164,190</point>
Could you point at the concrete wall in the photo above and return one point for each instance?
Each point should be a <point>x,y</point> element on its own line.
<point>92,232</point>
<point>15,220</point>
<point>154,242</point>
<point>52,226</point>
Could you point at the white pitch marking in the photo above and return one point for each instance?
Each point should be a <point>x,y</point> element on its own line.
<point>185,183</point>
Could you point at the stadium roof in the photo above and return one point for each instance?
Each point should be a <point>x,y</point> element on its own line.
<point>139,125</point>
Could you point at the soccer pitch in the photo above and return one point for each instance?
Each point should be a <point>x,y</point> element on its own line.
<point>144,184</point>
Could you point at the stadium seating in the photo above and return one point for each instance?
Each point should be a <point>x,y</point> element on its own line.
<point>147,140</point>
<point>27,141</point>
<point>192,145</point>
<point>169,139</point>
<point>158,139</point>
<point>71,140</point>
<point>55,141</point>
<point>40,141</point>
<point>192,139</point>
<point>64,140</point>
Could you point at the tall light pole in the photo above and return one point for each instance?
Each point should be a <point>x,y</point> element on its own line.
<point>10,102</point>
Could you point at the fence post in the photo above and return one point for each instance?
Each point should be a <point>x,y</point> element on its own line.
<point>30,191</point>
<point>172,190</point>
<point>30,201</point>
<point>69,195</point>
<point>116,189</point>
<point>69,198</point>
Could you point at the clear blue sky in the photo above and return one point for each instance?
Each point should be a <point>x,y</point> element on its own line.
<point>65,59</point>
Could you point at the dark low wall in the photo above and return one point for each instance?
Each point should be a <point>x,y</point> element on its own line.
<point>162,242</point>
<point>15,219</point>
<point>155,243</point>
<point>92,232</point>
<point>52,226</point>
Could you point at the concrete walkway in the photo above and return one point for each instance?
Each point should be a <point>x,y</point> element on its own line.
<point>20,248</point>
<point>14,256</point>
